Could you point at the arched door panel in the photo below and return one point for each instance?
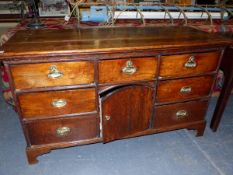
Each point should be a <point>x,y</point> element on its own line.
<point>126,111</point>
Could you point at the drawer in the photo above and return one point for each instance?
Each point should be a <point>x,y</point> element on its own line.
<point>63,130</point>
<point>52,74</point>
<point>123,70</point>
<point>188,64</point>
<point>180,113</point>
<point>183,89</point>
<point>52,103</point>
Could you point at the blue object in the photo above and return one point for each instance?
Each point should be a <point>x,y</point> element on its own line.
<point>95,14</point>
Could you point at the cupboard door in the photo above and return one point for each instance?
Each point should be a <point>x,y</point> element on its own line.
<point>126,111</point>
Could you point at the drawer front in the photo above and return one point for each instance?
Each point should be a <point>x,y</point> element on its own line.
<point>52,103</point>
<point>123,70</point>
<point>188,64</point>
<point>182,89</point>
<point>180,113</point>
<point>52,74</point>
<point>63,130</point>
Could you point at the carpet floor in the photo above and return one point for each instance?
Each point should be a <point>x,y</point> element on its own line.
<point>172,153</point>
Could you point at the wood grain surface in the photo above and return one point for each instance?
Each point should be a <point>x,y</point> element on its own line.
<point>33,42</point>
<point>169,90</point>
<point>174,65</point>
<point>39,104</point>
<point>129,109</point>
<point>165,116</point>
<point>27,76</point>
<point>45,131</point>
<point>110,71</point>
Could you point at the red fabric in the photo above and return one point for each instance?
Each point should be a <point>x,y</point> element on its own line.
<point>4,75</point>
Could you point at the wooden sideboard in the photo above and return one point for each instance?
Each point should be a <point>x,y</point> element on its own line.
<point>76,87</point>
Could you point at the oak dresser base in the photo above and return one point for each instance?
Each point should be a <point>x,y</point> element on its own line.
<point>79,87</point>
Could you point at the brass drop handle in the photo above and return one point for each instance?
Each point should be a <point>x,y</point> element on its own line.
<point>186,90</point>
<point>59,103</point>
<point>107,117</point>
<point>54,72</point>
<point>181,114</point>
<point>191,63</point>
<point>63,131</point>
<point>129,68</point>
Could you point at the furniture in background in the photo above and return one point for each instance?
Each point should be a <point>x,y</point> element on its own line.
<point>108,14</point>
<point>12,11</point>
<point>76,87</point>
<point>227,67</point>
<point>53,8</point>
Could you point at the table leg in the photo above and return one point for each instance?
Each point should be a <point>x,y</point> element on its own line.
<point>227,67</point>
<point>221,104</point>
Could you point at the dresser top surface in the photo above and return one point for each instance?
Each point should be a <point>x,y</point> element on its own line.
<point>33,42</point>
